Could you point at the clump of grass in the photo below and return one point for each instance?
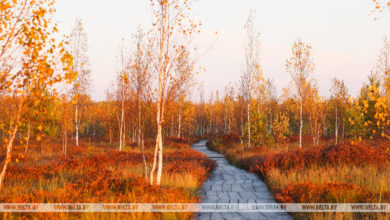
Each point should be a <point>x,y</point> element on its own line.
<point>185,180</point>
<point>377,180</point>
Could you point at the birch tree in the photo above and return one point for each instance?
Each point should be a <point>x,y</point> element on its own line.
<point>271,100</point>
<point>140,82</point>
<point>252,72</point>
<point>316,108</point>
<point>383,70</point>
<point>301,67</point>
<point>65,121</point>
<point>339,94</point>
<point>110,110</point>
<point>79,49</point>
<point>32,61</point>
<point>228,108</point>
<point>122,94</point>
<point>183,82</point>
<point>174,30</point>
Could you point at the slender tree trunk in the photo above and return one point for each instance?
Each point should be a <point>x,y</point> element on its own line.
<point>77,124</point>
<point>42,151</point>
<point>9,154</point>
<point>162,83</point>
<point>172,128</point>
<point>65,142</point>
<point>10,144</point>
<point>28,138</point>
<point>312,130</point>
<point>160,156</point>
<point>343,135</point>
<point>144,158</point>
<point>271,120</point>
<point>301,122</point>
<point>324,128</point>
<point>124,133</point>
<point>121,124</point>
<point>179,128</point>
<point>139,122</point>
<point>242,128</point>
<point>228,125</point>
<point>134,136</point>
<point>120,135</point>
<point>10,128</point>
<point>110,134</point>
<point>141,142</point>
<point>249,123</point>
<point>151,175</point>
<point>224,121</point>
<point>160,99</point>
<point>158,150</point>
<point>336,130</point>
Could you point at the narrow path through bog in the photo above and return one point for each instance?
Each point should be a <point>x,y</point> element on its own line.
<point>229,184</point>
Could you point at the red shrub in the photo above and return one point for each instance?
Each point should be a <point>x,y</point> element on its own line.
<point>181,140</point>
<point>95,176</point>
<point>360,154</point>
<point>231,137</point>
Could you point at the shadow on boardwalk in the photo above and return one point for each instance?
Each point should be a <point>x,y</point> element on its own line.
<point>229,184</point>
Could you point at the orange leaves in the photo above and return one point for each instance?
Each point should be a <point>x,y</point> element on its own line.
<point>300,65</point>
<point>163,2</point>
<point>381,5</point>
<point>33,36</point>
<point>280,126</point>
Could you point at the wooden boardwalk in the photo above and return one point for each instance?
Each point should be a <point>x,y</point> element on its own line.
<point>229,184</point>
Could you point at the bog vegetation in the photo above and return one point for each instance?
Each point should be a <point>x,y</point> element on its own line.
<point>58,145</point>
<point>328,173</point>
<point>98,173</point>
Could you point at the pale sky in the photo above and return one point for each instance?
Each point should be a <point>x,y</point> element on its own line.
<point>345,38</point>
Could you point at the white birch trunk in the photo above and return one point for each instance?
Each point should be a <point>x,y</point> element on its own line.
<point>28,138</point>
<point>336,130</point>
<point>77,124</point>
<point>249,124</point>
<point>179,128</point>
<point>8,157</point>
<point>65,142</point>
<point>121,124</point>
<point>301,122</point>
<point>160,98</point>
<point>10,145</point>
